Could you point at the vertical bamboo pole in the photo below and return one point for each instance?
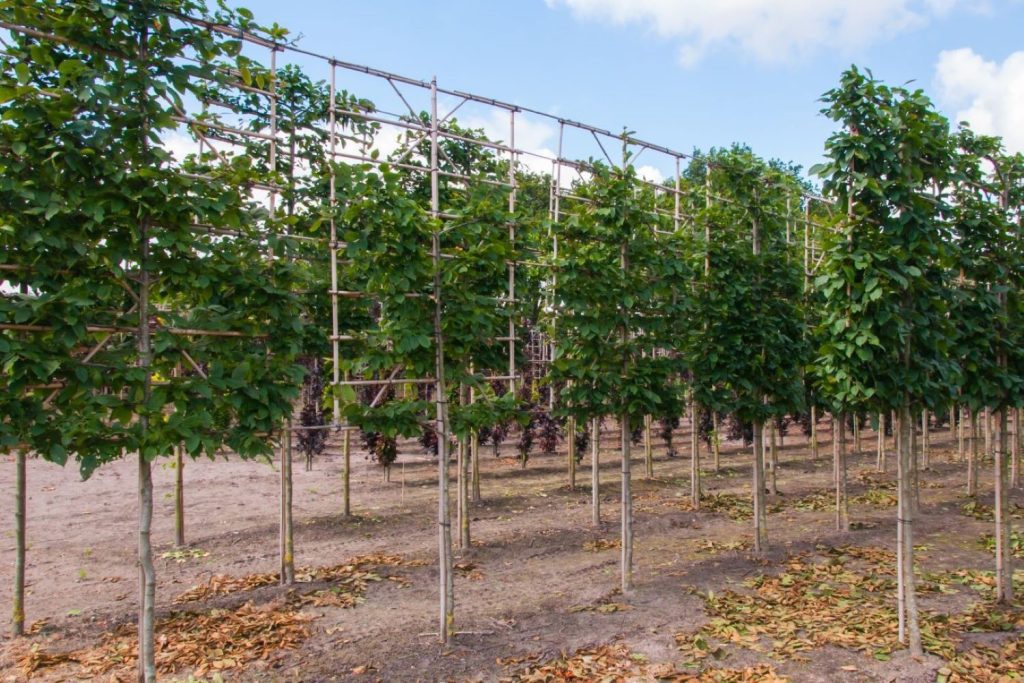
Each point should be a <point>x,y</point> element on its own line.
<point>773,456</point>
<point>627,508</point>
<point>444,518</point>
<point>333,246</point>
<point>961,450</point>
<point>760,511</point>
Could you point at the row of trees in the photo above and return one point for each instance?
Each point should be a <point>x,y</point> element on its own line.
<point>151,304</point>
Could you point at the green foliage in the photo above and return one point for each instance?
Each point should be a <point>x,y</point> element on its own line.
<point>745,342</point>
<point>621,289</point>
<point>885,329</point>
<point>92,208</point>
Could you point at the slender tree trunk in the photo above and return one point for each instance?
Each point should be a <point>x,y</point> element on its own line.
<point>1004,552</point>
<point>881,464</point>
<point>952,424</point>
<point>839,470</point>
<point>648,448</point>
<point>915,471</point>
<point>147,574</point>
<point>1015,450</point>
<point>627,508</point>
<point>287,530</point>
<point>858,449</point>
<point>961,451</point>
<point>987,426</point>
<point>346,473</point>
<point>716,442</point>
<point>463,497</point>
<point>18,620</point>
<point>694,456</point>
<point>760,513</point>
<point>773,457</point>
<point>474,454</point>
<point>906,513</point>
<point>814,433</point>
<point>972,457</point>
<point>926,459</point>
<point>570,439</point>
<point>595,471</point>
<point>179,497</point>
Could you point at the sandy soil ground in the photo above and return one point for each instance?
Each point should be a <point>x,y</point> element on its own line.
<point>528,584</point>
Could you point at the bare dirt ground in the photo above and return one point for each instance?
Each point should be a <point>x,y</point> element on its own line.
<point>538,580</point>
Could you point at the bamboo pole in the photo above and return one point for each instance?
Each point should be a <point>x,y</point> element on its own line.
<point>446,579</point>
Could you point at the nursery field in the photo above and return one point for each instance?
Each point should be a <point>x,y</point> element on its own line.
<point>538,589</point>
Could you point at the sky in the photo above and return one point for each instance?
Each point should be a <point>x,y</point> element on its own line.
<point>685,74</point>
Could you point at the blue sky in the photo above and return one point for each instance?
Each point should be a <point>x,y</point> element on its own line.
<point>684,73</point>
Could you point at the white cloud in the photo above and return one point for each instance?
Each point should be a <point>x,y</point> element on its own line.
<point>537,137</point>
<point>770,30</point>
<point>651,174</point>
<point>988,95</point>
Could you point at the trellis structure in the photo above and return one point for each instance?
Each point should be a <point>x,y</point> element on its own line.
<point>259,134</point>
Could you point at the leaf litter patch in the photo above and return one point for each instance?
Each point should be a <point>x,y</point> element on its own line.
<point>843,597</point>
<point>224,639</point>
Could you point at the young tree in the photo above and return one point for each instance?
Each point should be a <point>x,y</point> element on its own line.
<point>621,288</point>
<point>121,288</point>
<point>888,333</point>
<point>745,342</point>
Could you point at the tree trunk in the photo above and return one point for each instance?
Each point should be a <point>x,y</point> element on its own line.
<point>773,457</point>
<point>716,442</point>
<point>570,439</point>
<point>906,513</point>
<point>858,449</point>
<point>595,471</point>
<point>463,494</point>
<point>961,451</point>
<point>972,457</point>
<point>346,473</point>
<point>915,471</point>
<point>648,448</point>
<point>814,433</point>
<point>627,509</point>
<point>694,457</point>
<point>287,531</point>
<point>474,455</point>
<point>839,474</point>
<point>1015,450</point>
<point>987,426</point>
<point>760,513</point>
<point>1004,552</point>
<point>881,464</point>
<point>926,459</point>
<point>147,575</point>
<point>179,497</point>
<point>18,620</point>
